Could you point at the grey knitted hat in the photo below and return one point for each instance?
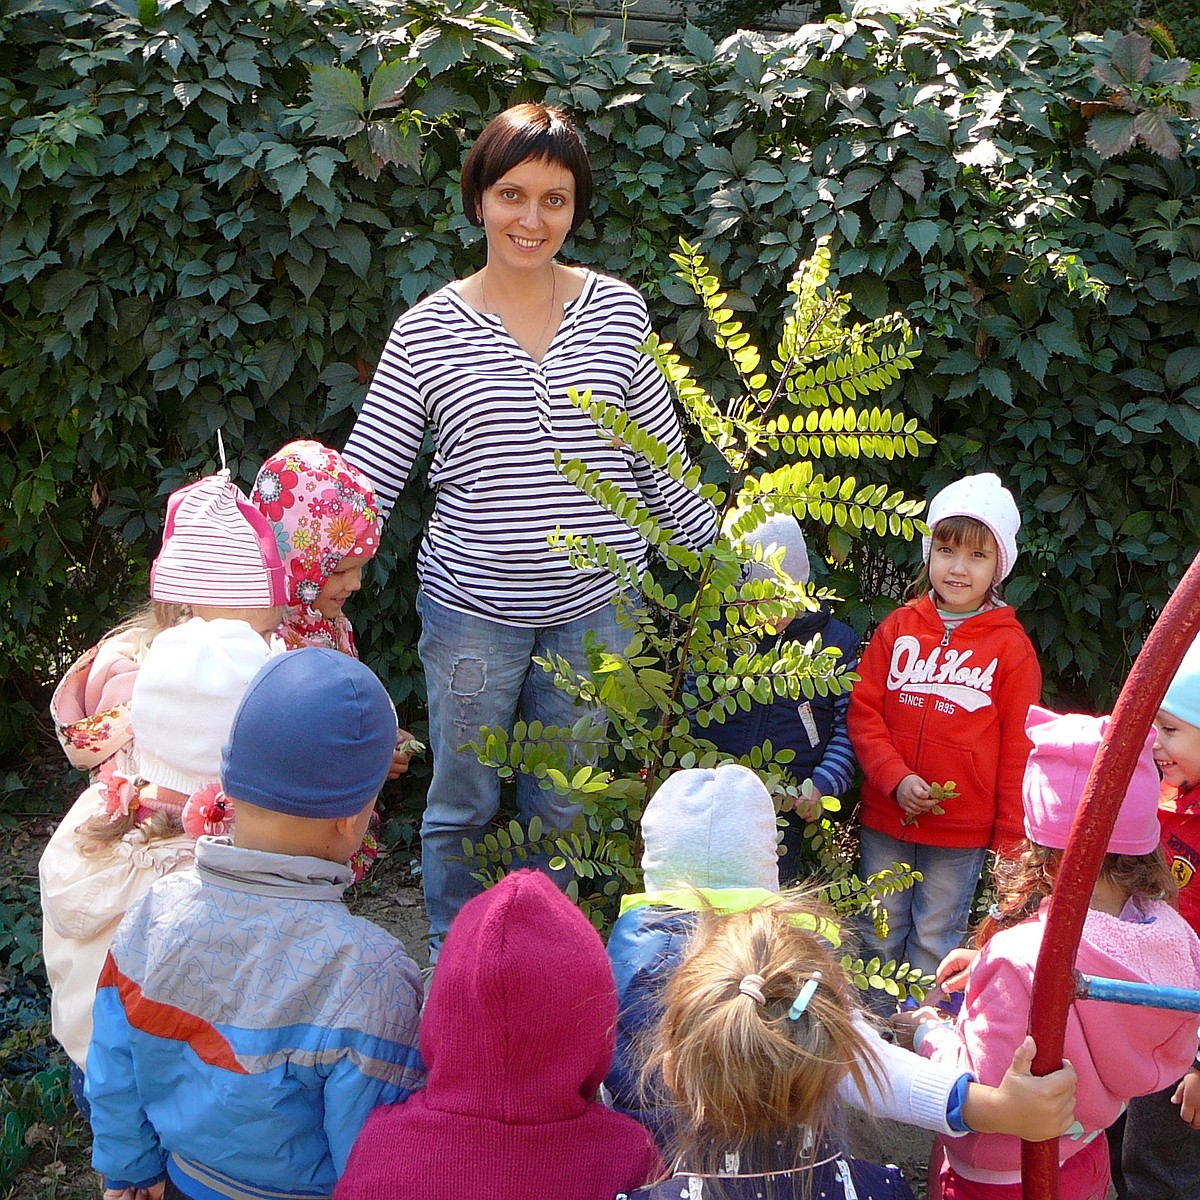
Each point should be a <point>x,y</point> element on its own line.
<point>710,828</point>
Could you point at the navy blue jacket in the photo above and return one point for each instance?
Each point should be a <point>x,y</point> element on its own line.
<point>815,729</point>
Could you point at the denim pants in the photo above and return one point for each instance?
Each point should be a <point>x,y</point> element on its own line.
<point>480,672</point>
<point>928,920</point>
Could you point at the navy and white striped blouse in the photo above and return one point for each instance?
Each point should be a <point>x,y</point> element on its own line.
<point>498,418</point>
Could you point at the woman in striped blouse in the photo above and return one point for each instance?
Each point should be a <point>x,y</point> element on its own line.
<point>487,362</point>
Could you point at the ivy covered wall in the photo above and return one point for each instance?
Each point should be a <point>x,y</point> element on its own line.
<point>211,212</point>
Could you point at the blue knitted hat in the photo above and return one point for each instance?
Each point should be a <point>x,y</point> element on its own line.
<point>313,737</point>
<point>1182,700</point>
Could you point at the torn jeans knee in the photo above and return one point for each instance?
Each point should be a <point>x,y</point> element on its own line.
<point>468,676</point>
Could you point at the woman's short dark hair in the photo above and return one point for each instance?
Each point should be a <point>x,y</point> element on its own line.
<point>520,133</point>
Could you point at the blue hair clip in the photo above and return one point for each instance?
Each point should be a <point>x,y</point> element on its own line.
<point>804,996</point>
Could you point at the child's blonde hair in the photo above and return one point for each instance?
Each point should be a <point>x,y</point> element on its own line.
<point>958,531</point>
<point>151,619</point>
<point>98,835</point>
<point>1024,880</point>
<point>746,1076</point>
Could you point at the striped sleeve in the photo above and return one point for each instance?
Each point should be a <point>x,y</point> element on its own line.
<point>387,435</point>
<point>836,770</point>
<point>690,518</point>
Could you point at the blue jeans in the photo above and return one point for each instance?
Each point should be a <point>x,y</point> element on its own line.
<point>479,672</point>
<point>929,919</point>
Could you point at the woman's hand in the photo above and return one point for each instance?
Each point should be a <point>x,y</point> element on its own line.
<point>914,796</point>
<point>1032,1107</point>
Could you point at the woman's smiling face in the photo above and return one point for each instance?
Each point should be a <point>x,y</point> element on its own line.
<point>527,214</point>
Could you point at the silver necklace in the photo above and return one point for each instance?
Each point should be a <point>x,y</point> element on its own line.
<point>549,315</point>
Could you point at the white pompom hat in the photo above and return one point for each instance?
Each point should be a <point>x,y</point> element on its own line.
<point>989,502</point>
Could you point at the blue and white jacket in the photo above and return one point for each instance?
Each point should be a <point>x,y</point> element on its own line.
<point>245,1025</point>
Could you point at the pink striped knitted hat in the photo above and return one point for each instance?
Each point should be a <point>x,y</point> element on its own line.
<point>218,550</point>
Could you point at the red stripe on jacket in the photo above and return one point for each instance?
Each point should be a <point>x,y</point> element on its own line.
<point>167,1021</point>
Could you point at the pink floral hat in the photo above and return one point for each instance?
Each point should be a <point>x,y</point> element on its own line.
<point>322,510</point>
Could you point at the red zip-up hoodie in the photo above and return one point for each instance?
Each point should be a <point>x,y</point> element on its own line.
<point>946,706</point>
<point>1179,816</point>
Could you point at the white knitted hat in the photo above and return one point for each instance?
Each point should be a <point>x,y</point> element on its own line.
<point>218,549</point>
<point>780,532</point>
<point>986,499</point>
<point>187,691</point>
<point>710,828</point>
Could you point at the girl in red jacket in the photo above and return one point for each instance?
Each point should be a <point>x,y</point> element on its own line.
<point>946,682</point>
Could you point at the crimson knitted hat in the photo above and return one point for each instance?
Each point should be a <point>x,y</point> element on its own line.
<point>217,550</point>
<point>1064,748</point>
<point>517,1034</point>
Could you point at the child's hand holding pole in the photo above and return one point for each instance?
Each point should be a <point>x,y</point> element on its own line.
<point>1032,1107</point>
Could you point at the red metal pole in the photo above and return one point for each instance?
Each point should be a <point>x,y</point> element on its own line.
<point>1053,982</point>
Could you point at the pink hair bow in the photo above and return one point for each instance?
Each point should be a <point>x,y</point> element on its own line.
<point>208,811</point>
<point>119,792</point>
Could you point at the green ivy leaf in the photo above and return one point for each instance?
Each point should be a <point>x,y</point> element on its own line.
<point>336,98</point>
<point>923,235</point>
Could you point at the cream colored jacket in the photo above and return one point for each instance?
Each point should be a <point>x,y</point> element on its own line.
<point>83,901</point>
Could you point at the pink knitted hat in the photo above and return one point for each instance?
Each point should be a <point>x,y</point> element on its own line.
<point>321,509</point>
<point>217,550</point>
<point>1064,748</point>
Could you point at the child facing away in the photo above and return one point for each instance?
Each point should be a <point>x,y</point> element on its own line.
<point>129,828</point>
<point>90,705</point>
<point>246,1022</point>
<point>516,1035</point>
<point>945,683</point>
<point>1157,1155</point>
<point>1131,933</point>
<point>814,729</point>
<point>757,1037</point>
<point>709,840</point>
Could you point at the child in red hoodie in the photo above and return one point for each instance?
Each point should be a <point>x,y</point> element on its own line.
<point>945,684</point>
<point>1157,1156</point>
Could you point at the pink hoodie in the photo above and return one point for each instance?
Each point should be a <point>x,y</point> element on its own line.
<point>1119,1050</point>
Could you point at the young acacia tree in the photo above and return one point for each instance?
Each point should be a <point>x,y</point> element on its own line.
<point>693,656</point>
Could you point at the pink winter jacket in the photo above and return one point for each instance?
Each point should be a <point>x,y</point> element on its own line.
<point>90,705</point>
<point>1119,1050</point>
